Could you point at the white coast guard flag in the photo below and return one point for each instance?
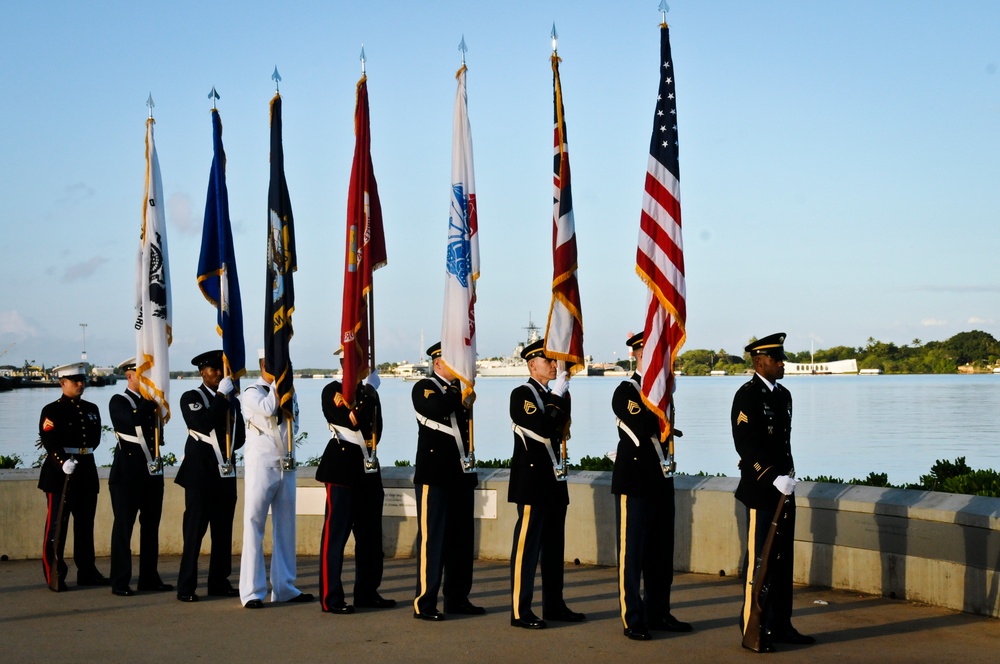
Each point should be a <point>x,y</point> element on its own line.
<point>458,329</point>
<point>152,290</point>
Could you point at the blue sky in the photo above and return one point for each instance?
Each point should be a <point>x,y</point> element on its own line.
<point>839,171</point>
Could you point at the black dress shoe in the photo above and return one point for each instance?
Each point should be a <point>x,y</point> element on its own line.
<point>637,633</point>
<point>187,598</point>
<point>154,587</point>
<point>791,635</point>
<point>254,604</point>
<point>528,622</point>
<point>564,615</point>
<point>342,608</point>
<point>301,598</point>
<point>434,616</point>
<point>96,579</point>
<point>123,592</point>
<point>374,602</point>
<point>669,624</point>
<point>466,608</point>
<point>224,592</point>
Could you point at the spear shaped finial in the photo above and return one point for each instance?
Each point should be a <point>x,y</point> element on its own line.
<point>362,59</point>
<point>463,48</point>
<point>213,95</point>
<point>664,8</point>
<point>150,104</point>
<point>555,37</point>
<point>276,77</point>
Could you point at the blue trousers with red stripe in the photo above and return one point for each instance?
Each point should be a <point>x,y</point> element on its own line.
<point>83,507</point>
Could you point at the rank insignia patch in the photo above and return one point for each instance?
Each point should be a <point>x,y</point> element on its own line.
<point>742,418</point>
<point>530,407</point>
<point>338,399</point>
<point>48,425</point>
<point>427,393</point>
<point>195,406</point>
<point>633,408</point>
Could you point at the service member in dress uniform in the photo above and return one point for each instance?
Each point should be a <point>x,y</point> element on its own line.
<point>268,486</point>
<point>354,496</point>
<point>208,477</point>
<point>69,429</point>
<point>445,492</point>
<point>644,485</point>
<point>540,416</point>
<point>136,486</point>
<point>762,423</point>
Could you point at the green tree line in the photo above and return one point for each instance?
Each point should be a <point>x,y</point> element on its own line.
<point>976,349</point>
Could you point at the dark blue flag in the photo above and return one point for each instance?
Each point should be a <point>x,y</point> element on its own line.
<point>217,276</point>
<point>279,300</point>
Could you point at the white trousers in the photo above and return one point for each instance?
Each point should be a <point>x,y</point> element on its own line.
<point>267,486</point>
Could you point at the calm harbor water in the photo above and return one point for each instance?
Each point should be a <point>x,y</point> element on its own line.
<point>844,426</point>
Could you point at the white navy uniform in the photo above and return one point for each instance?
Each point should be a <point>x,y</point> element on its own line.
<point>267,486</point>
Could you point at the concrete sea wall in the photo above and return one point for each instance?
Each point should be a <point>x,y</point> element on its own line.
<point>936,548</point>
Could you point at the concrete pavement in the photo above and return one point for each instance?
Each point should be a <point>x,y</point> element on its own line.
<point>91,624</point>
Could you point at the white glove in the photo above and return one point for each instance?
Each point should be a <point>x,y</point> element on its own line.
<point>561,386</point>
<point>373,381</point>
<point>69,465</point>
<point>785,484</point>
<point>226,386</point>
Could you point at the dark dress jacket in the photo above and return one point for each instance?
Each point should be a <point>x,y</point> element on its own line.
<point>200,465</point>
<point>762,427</point>
<point>532,477</point>
<point>343,462</point>
<point>129,466</point>
<point>637,468</point>
<point>438,461</point>
<point>69,423</point>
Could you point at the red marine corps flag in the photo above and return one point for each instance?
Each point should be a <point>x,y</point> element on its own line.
<point>365,251</point>
<point>660,255</point>
<point>564,331</point>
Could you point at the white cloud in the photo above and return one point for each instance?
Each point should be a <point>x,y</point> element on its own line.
<point>179,214</point>
<point>933,322</point>
<point>13,323</point>
<point>976,320</point>
<point>83,270</point>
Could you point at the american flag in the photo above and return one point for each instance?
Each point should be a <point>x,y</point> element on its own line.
<point>564,332</point>
<point>365,251</point>
<point>660,255</point>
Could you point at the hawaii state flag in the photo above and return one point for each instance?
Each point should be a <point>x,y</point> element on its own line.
<point>281,263</point>
<point>458,330</point>
<point>660,254</point>
<point>365,251</point>
<point>217,276</point>
<point>153,333</point>
<point>564,332</point>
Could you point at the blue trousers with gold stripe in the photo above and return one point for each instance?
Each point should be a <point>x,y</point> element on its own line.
<point>646,555</point>
<point>444,545</point>
<point>777,614</point>
<point>540,531</point>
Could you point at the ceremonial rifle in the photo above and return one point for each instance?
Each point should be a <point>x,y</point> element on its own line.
<point>752,631</point>
<point>56,537</point>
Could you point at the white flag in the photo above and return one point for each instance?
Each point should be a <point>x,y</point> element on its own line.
<point>458,330</point>
<point>152,290</point>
